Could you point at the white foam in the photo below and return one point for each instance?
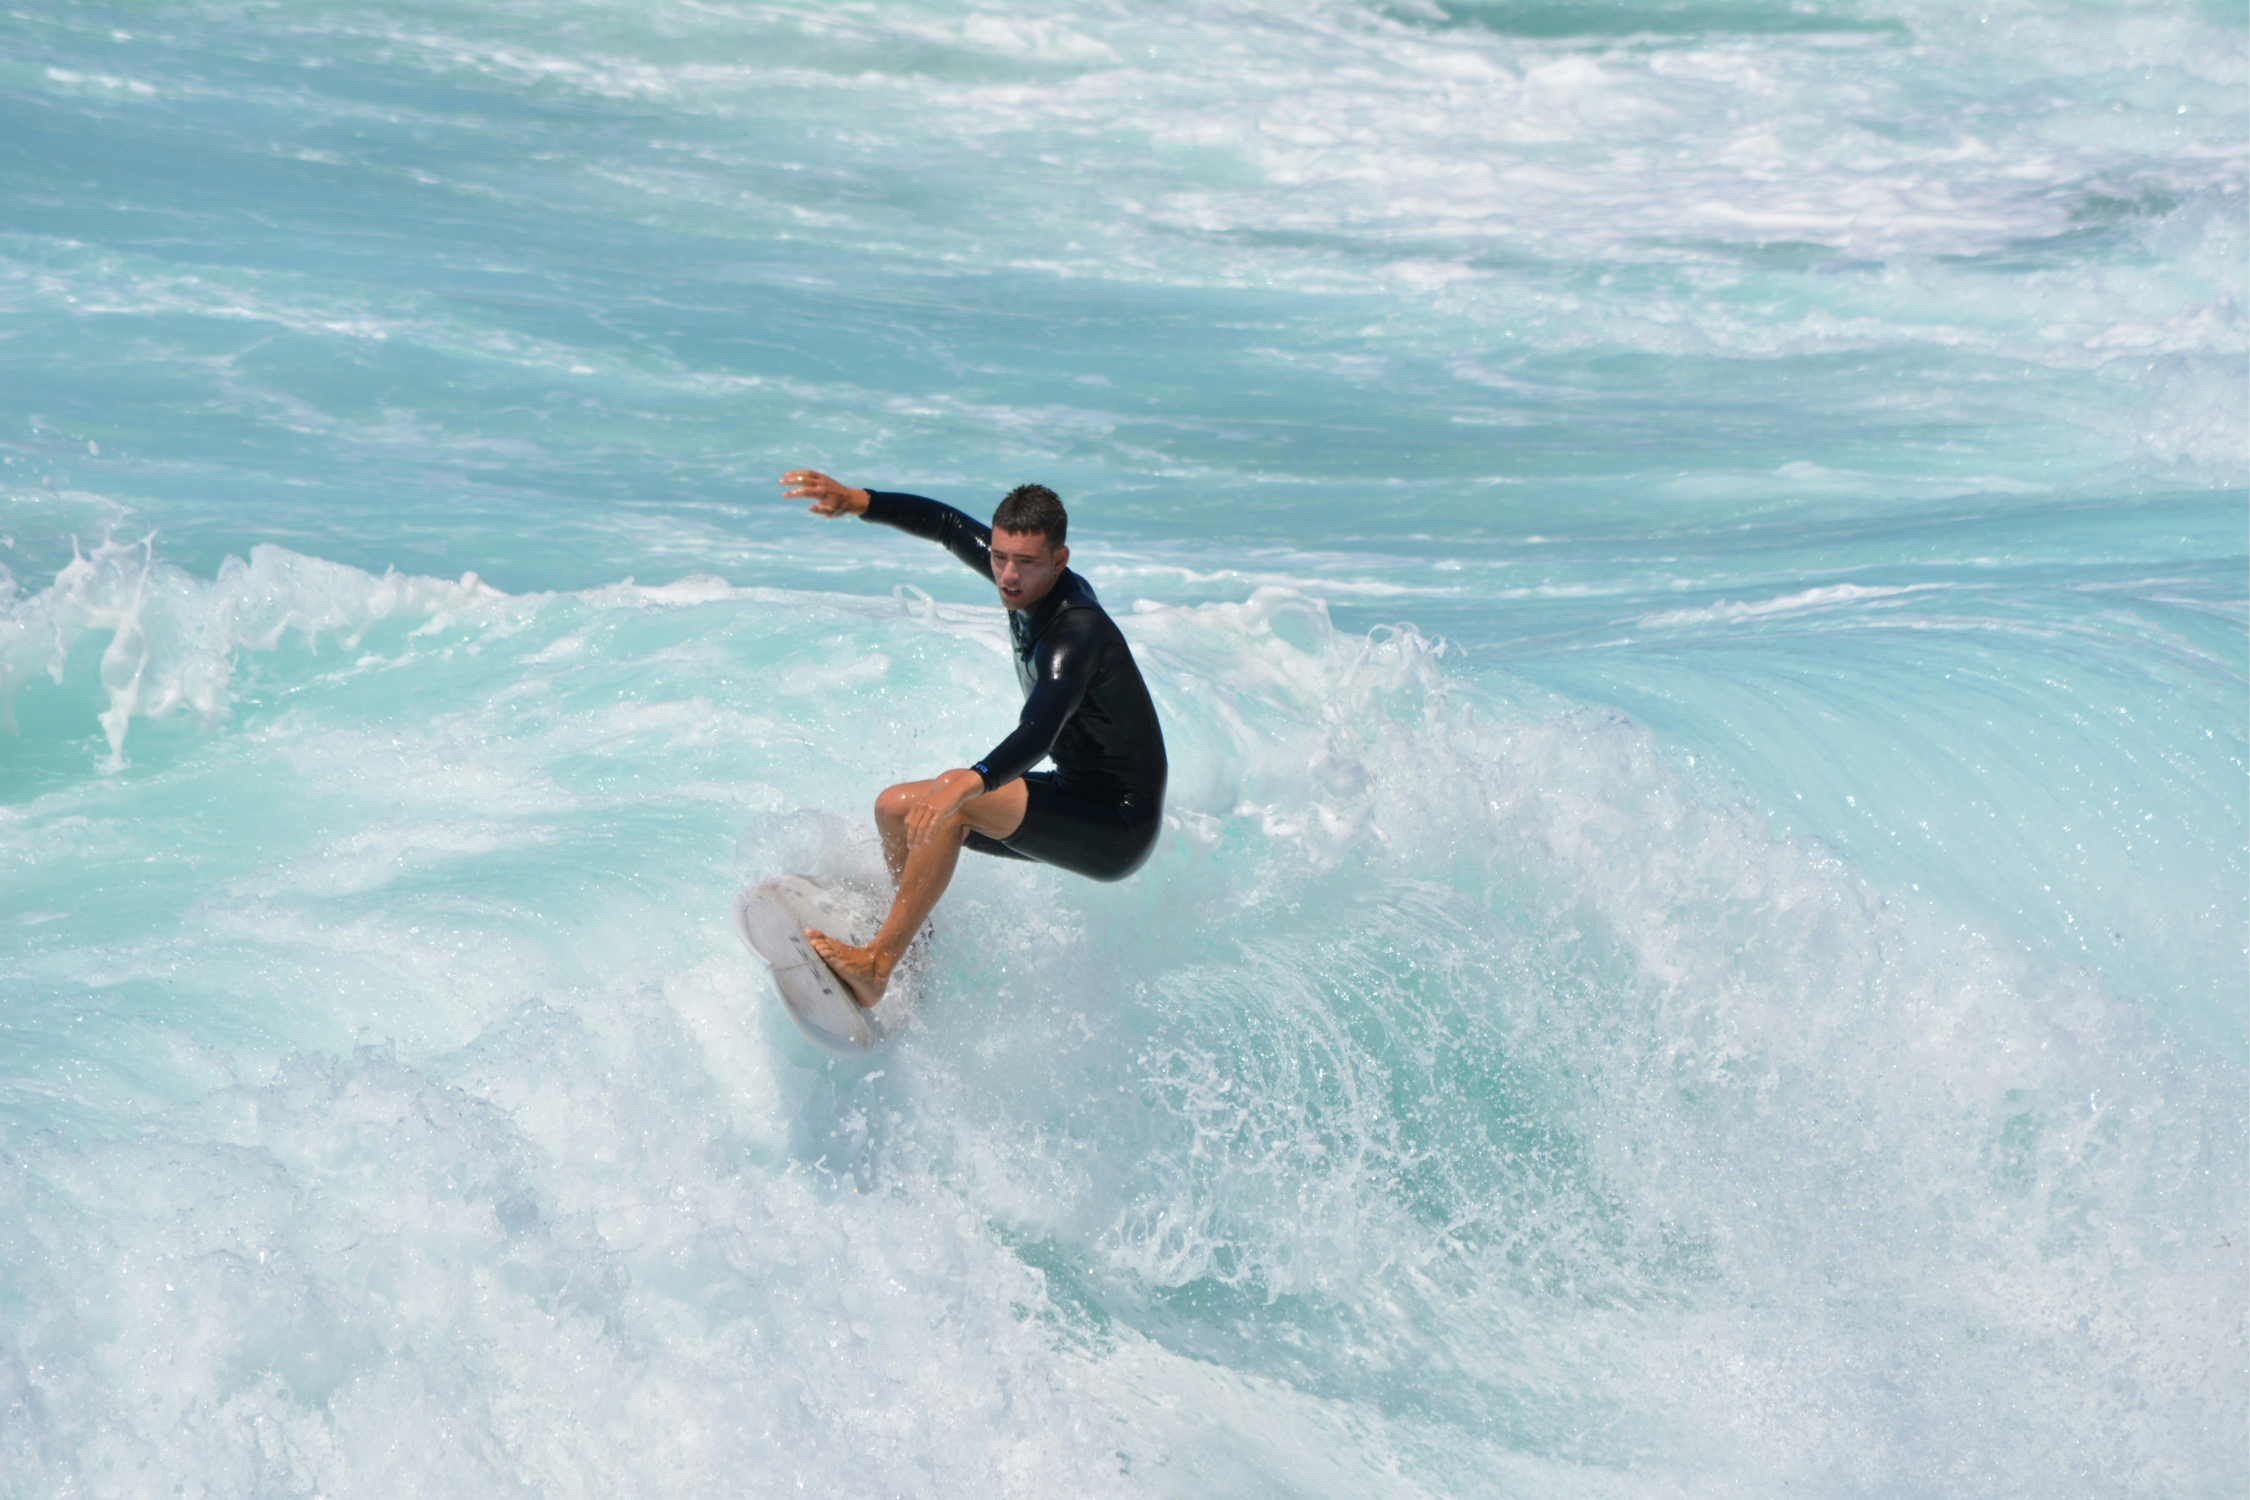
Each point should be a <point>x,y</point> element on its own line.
<point>1455,1077</point>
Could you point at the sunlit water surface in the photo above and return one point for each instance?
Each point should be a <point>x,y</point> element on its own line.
<point>1693,559</point>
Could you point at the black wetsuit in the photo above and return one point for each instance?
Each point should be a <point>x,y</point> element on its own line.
<point>1098,812</point>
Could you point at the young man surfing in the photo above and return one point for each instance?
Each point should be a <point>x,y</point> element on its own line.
<point>1097,813</point>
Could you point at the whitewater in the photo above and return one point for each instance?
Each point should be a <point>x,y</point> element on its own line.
<point>1695,560</point>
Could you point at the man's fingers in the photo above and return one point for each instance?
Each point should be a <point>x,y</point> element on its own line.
<point>808,482</point>
<point>830,497</point>
<point>923,822</point>
<point>827,496</point>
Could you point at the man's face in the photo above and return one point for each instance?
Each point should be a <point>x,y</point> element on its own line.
<point>1025,567</point>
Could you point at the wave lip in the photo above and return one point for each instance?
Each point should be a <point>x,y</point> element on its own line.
<point>1803,602</point>
<point>173,638</point>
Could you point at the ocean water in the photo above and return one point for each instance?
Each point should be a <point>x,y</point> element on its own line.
<point>1695,556</point>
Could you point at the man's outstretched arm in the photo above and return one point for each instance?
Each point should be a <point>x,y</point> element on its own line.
<point>964,536</point>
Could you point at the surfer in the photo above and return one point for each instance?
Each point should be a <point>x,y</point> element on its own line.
<point>1097,813</point>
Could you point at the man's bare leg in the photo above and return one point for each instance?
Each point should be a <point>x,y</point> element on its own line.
<point>890,823</point>
<point>923,872</point>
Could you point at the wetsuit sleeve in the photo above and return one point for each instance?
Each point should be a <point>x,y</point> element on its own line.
<point>1063,668</point>
<point>967,539</point>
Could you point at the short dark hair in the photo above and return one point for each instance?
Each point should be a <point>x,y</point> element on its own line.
<point>1033,507</point>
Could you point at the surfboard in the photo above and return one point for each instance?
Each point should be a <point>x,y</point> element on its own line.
<point>772,917</point>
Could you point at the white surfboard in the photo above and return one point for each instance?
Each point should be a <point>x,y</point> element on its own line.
<point>772,917</point>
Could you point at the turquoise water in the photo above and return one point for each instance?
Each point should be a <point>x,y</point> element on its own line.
<point>1694,561</point>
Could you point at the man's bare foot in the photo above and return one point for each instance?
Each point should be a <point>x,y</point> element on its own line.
<point>861,968</point>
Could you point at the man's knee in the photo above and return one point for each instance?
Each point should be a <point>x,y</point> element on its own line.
<point>895,801</point>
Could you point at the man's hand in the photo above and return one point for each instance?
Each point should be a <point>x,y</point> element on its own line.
<point>828,497</point>
<point>944,799</point>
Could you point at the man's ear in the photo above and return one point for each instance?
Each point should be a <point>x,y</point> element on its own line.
<point>1062,557</point>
